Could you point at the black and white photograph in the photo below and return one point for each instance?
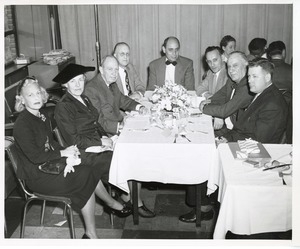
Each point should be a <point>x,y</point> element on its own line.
<point>150,123</point>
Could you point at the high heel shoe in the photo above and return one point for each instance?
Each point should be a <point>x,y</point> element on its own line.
<point>85,236</point>
<point>126,211</point>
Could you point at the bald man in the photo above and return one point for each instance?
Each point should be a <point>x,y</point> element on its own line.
<point>171,67</point>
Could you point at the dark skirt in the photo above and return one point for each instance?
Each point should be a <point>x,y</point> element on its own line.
<point>78,185</point>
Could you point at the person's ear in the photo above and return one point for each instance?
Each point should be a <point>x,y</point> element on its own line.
<point>22,100</point>
<point>268,77</point>
<point>163,49</point>
<point>101,69</point>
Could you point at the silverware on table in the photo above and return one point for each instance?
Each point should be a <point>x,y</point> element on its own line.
<point>184,136</point>
<point>176,136</point>
<point>278,166</point>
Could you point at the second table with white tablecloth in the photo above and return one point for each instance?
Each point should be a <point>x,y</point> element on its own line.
<point>252,200</point>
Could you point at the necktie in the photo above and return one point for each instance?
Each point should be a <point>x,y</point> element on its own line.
<point>127,83</point>
<point>171,62</point>
<point>110,86</point>
<point>214,84</point>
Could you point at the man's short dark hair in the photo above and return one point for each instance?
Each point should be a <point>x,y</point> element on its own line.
<point>257,46</point>
<point>276,48</point>
<point>168,38</point>
<point>265,64</point>
<point>119,44</point>
<point>225,40</point>
<point>212,48</point>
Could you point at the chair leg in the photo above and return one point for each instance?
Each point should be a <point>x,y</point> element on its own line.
<point>111,215</point>
<point>65,210</point>
<point>43,212</point>
<point>73,236</point>
<point>24,218</point>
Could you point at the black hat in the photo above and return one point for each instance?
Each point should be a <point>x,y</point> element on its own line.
<point>70,71</point>
<point>276,47</point>
<point>257,46</point>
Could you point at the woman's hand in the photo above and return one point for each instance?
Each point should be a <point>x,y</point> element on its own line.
<point>107,142</point>
<point>71,151</point>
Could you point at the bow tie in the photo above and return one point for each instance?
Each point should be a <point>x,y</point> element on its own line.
<point>170,62</point>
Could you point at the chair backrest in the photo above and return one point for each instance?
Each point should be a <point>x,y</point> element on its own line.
<point>15,159</point>
<point>59,137</point>
<point>10,95</point>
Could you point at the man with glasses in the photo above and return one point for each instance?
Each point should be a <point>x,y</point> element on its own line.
<point>129,81</point>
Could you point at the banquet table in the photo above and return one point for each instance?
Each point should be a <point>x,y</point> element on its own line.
<point>252,200</point>
<point>148,153</point>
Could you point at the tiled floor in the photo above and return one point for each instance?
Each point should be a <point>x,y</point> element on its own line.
<point>167,203</point>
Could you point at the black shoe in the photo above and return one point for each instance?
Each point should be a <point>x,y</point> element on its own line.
<point>191,216</point>
<point>85,237</point>
<point>145,212</point>
<point>123,212</point>
<point>127,204</point>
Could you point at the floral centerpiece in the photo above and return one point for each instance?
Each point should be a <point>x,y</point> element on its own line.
<point>171,97</point>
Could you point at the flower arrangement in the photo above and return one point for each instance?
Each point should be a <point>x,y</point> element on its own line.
<point>171,97</point>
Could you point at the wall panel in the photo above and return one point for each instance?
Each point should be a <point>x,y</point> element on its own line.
<point>145,27</point>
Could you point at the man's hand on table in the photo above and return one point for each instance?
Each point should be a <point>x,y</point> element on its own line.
<point>203,103</point>
<point>221,140</point>
<point>143,110</point>
<point>136,96</point>
<point>218,123</point>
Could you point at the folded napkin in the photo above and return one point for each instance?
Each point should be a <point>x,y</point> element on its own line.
<point>248,146</point>
<point>98,149</point>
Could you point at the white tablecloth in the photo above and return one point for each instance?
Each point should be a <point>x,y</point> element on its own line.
<point>151,155</point>
<point>252,200</point>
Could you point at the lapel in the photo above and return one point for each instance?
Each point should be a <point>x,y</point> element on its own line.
<point>259,100</point>
<point>119,83</point>
<point>161,68</point>
<point>104,91</point>
<point>77,103</point>
<point>178,71</point>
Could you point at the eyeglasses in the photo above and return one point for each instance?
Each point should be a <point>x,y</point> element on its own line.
<point>25,82</point>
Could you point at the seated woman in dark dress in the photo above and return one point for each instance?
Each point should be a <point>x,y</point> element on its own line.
<point>77,118</point>
<point>34,140</point>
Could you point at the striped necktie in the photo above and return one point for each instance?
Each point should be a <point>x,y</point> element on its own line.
<point>127,83</point>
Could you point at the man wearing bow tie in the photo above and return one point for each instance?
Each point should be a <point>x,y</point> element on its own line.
<point>171,67</point>
<point>234,95</point>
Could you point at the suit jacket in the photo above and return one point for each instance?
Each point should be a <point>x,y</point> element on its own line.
<point>264,120</point>
<point>108,103</point>
<point>282,75</point>
<point>184,73</point>
<point>222,106</point>
<point>31,135</point>
<point>78,123</point>
<point>134,80</point>
<point>207,84</point>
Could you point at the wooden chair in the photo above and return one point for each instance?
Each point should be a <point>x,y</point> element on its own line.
<point>33,196</point>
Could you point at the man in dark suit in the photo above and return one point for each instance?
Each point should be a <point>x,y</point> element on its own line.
<point>108,100</point>
<point>224,104</point>
<point>234,95</point>
<point>129,81</point>
<point>171,67</point>
<point>265,118</point>
<point>283,73</point>
<point>283,79</point>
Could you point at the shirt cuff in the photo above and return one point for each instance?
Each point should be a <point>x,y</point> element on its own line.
<point>138,107</point>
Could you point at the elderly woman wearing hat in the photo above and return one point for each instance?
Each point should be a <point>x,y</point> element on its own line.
<point>35,144</point>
